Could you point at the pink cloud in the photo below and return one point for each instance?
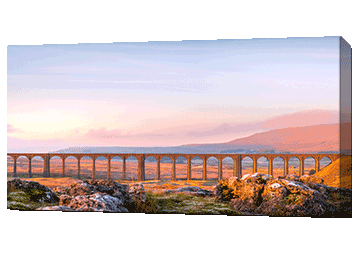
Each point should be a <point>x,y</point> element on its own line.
<point>11,129</point>
<point>103,133</point>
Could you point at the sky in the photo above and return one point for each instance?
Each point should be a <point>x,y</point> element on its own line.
<point>163,93</point>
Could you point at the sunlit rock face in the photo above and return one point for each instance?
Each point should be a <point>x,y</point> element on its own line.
<point>255,194</point>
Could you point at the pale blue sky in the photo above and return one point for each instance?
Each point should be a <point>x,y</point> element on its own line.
<point>70,92</point>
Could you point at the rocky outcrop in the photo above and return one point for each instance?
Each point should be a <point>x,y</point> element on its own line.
<point>129,195</point>
<point>192,191</point>
<point>137,192</point>
<point>35,191</point>
<point>95,202</point>
<point>252,194</point>
<point>292,177</point>
<point>311,178</point>
<point>292,198</point>
<point>103,195</point>
<point>244,193</point>
<point>90,195</point>
<point>60,190</point>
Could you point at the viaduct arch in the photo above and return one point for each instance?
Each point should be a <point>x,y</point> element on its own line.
<point>141,162</point>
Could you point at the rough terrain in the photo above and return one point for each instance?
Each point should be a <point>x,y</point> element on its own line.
<point>255,194</point>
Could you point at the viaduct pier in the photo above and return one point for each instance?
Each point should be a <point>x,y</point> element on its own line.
<point>141,162</point>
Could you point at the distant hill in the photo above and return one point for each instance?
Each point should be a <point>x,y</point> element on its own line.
<point>308,139</point>
<point>134,150</point>
<point>297,119</point>
<point>296,139</point>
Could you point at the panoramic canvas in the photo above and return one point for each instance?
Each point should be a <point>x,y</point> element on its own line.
<point>247,127</point>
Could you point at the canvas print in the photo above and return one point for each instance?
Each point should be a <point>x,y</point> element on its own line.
<point>244,127</point>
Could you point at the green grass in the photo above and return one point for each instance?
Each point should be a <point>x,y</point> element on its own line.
<point>161,203</point>
<point>19,200</point>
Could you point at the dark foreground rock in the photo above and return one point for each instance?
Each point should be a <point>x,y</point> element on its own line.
<point>95,202</point>
<point>292,198</point>
<point>129,196</point>
<point>137,192</point>
<point>103,195</point>
<point>281,197</point>
<point>90,195</point>
<point>35,191</point>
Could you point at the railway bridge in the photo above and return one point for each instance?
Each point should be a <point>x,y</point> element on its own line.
<point>141,162</point>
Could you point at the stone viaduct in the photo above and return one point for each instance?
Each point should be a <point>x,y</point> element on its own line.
<point>141,162</point>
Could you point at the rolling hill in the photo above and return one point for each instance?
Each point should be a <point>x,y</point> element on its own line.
<point>308,139</point>
<point>331,173</point>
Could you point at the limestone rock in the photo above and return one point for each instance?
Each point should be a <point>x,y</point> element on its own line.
<point>95,202</point>
<point>292,177</point>
<point>245,176</point>
<point>328,191</point>
<point>109,187</point>
<point>65,200</point>
<point>276,197</point>
<point>292,198</point>
<point>137,192</point>
<point>255,176</point>
<point>36,191</point>
<point>243,194</point>
<point>233,180</point>
<point>251,176</point>
<point>311,178</point>
<point>266,176</point>
<point>247,196</point>
<point>61,190</point>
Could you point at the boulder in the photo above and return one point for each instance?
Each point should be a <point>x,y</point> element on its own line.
<point>311,178</point>
<point>109,187</point>
<point>276,197</point>
<point>35,191</point>
<point>245,176</point>
<point>292,177</point>
<point>61,190</point>
<point>89,195</point>
<point>247,196</point>
<point>243,194</point>
<point>95,202</point>
<point>192,191</point>
<point>256,176</point>
<point>330,192</point>
<point>137,192</point>
<point>251,176</point>
<point>292,198</point>
<point>233,180</point>
<point>266,176</point>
